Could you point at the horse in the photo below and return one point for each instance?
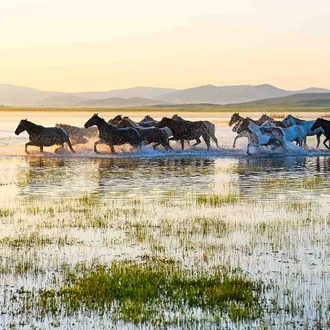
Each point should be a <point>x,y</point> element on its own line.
<point>252,138</point>
<point>270,136</point>
<point>186,130</point>
<point>111,135</point>
<point>148,121</point>
<point>41,136</point>
<point>307,125</point>
<point>236,118</point>
<point>78,135</point>
<point>294,133</point>
<point>325,124</point>
<point>210,126</point>
<point>148,134</point>
<point>277,123</point>
<point>114,121</point>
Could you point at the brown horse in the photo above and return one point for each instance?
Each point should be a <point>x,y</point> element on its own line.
<point>148,134</point>
<point>277,123</point>
<point>186,130</point>
<point>210,126</point>
<point>112,135</point>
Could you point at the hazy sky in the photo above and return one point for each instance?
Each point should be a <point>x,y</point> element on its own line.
<point>80,45</point>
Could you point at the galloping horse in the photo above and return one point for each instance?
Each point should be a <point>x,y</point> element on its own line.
<point>272,136</point>
<point>236,118</point>
<point>114,121</point>
<point>186,130</point>
<point>252,138</point>
<point>307,125</point>
<point>112,135</point>
<point>148,121</point>
<point>294,133</point>
<point>277,123</point>
<point>210,126</point>
<point>78,135</point>
<point>325,124</point>
<point>41,136</point>
<point>148,134</point>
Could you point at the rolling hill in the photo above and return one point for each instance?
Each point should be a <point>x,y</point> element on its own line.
<point>11,95</point>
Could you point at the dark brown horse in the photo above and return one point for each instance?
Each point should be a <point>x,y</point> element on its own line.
<point>114,121</point>
<point>41,136</point>
<point>148,134</point>
<point>112,135</point>
<point>277,123</point>
<point>325,124</point>
<point>237,118</point>
<point>210,127</point>
<point>148,121</point>
<point>186,130</point>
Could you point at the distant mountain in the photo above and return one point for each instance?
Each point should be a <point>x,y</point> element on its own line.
<point>143,92</point>
<point>118,102</point>
<point>224,95</point>
<point>62,100</point>
<point>295,98</point>
<point>11,95</point>
<point>17,95</point>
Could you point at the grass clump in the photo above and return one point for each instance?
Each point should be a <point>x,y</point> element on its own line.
<point>217,200</point>
<point>146,291</point>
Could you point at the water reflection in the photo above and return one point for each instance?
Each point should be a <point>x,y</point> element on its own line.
<point>55,177</point>
<point>58,177</point>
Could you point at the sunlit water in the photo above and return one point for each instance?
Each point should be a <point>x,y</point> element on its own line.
<point>269,238</point>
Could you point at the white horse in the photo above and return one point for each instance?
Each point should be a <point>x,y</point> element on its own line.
<point>290,120</point>
<point>294,133</point>
<point>266,136</point>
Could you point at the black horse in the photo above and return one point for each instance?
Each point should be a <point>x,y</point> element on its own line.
<point>41,136</point>
<point>112,135</point>
<point>186,130</point>
<point>210,127</point>
<point>325,124</point>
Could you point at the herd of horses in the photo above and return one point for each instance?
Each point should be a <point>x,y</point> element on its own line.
<point>120,130</point>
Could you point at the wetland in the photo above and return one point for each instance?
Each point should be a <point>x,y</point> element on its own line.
<point>162,239</point>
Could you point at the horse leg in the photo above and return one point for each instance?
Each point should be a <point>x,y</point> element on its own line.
<point>95,144</point>
<point>236,137</point>
<point>41,148</point>
<point>198,141</point>
<point>326,139</point>
<point>318,138</point>
<point>70,145</point>
<point>248,149</point>
<point>182,143</point>
<point>206,138</point>
<point>112,148</point>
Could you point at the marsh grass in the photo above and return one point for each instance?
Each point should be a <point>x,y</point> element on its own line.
<point>142,291</point>
<point>217,200</point>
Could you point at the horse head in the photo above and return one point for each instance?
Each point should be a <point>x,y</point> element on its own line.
<point>21,126</point>
<point>234,118</point>
<point>244,125</point>
<point>92,121</point>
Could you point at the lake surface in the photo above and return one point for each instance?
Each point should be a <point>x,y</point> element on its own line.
<point>276,231</point>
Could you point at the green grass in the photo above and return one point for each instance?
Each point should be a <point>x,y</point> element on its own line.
<point>145,291</point>
<point>217,200</point>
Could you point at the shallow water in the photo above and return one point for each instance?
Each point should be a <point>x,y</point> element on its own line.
<point>277,231</point>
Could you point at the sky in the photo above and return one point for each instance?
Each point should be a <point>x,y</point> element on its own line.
<point>99,45</point>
